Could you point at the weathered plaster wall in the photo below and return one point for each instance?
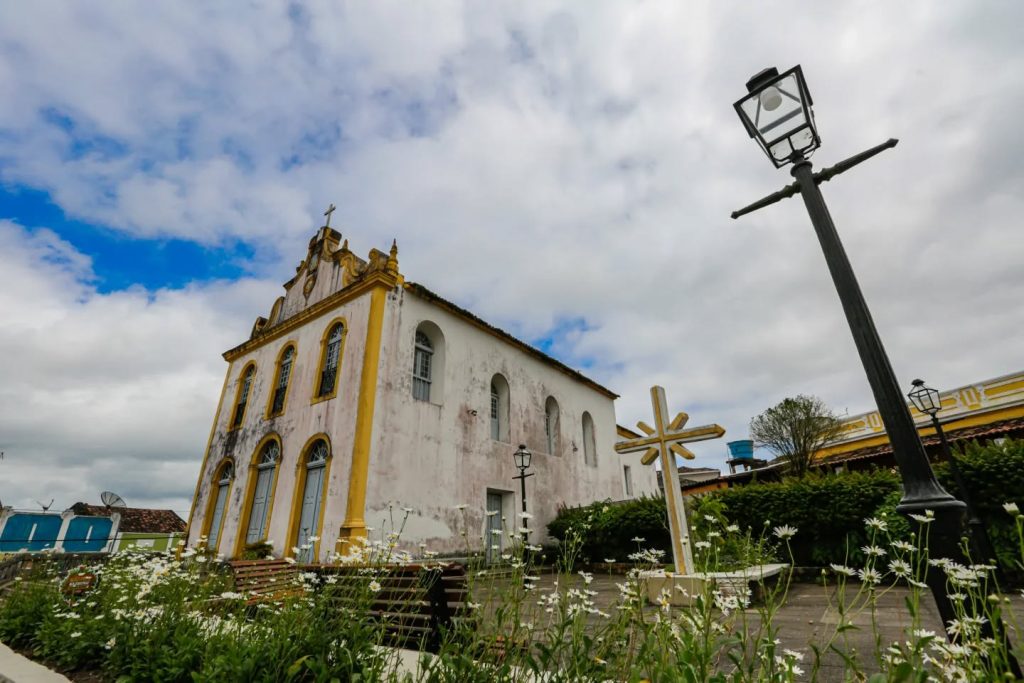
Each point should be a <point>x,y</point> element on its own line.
<point>300,421</point>
<point>426,456</point>
<point>433,456</point>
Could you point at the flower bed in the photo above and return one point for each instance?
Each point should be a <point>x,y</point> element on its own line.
<point>151,617</point>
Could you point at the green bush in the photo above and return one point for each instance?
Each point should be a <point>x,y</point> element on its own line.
<point>25,609</point>
<point>994,475</point>
<point>609,528</point>
<point>828,510</point>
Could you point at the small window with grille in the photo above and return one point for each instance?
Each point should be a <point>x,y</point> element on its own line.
<point>495,419</point>
<point>284,372</point>
<point>422,358</point>
<point>243,397</point>
<point>329,369</point>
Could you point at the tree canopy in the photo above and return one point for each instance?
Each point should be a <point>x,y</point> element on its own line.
<point>796,429</point>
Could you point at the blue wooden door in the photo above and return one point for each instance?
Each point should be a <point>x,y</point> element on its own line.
<point>260,500</point>
<point>310,517</point>
<point>218,513</point>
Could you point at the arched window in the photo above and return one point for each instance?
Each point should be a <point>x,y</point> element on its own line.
<point>222,485</point>
<point>589,445</point>
<point>284,373</point>
<point>551,426</point>
<point>327,384</point>
<point>428,364</point>
<point>421,367</point>
<point>499,409</point>
<point>259,510</point>
<point>242,397</point>
<point>312,475</point>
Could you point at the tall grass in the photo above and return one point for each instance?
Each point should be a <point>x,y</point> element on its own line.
<point>153,617</point>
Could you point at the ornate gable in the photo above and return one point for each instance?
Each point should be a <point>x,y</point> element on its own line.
<point>329,267</point>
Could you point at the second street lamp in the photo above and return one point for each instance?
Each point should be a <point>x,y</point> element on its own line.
<point>522,458</point>
<point>777,113</point>
<point>927,400</point>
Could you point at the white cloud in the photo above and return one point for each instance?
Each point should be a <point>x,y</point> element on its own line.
<point>107,391</point>
<point>576,162</point>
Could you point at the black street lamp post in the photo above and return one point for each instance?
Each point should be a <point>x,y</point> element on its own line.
<point>777,113</point>
<point>926,400</point>
<point>522,458</point>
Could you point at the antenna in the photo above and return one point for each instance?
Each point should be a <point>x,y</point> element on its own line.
<point>46,507</point>
<point>112,500</point>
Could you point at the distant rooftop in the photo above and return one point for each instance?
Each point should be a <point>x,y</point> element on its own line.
<point>136,520</point>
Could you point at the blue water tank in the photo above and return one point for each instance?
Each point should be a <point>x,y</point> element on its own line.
<point>741,449</point>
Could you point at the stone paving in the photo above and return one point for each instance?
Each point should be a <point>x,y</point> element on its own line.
<point>807,618</point>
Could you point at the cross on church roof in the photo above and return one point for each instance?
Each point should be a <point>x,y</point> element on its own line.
<point>328,212</point>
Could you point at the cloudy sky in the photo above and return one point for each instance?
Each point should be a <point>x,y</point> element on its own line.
<point>566,172</point>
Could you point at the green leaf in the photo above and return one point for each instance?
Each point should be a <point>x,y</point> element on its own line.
<point>296,666</point>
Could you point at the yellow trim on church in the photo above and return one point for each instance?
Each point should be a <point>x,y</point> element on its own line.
<point>368,282</point>
<point>974,405</point>
<point>354,525</point>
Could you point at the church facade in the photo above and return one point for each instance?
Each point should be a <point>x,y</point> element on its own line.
<point>363,395</point>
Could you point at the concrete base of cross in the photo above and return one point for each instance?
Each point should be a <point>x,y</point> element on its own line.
<point>744,583</point>
<point>680,590</point>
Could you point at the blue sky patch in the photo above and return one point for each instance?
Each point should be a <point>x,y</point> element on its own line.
<point>120,261</point>
<point>560,340</point>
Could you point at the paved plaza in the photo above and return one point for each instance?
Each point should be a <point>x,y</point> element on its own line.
<point>809,616</point>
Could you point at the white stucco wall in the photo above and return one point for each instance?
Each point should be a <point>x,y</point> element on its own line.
<point>426,456</point>
<point>300,421</point>
<point>431,456</point>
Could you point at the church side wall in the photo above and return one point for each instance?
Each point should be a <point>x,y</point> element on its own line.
<point>301,420</point>
<point>432,456</point>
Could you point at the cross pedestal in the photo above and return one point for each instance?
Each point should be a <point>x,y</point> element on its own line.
<point>665,441</point>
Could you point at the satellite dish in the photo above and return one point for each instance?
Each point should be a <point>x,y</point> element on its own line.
<point>112,500</point>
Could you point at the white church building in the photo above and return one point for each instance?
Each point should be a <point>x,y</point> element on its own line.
<point>362,391</point>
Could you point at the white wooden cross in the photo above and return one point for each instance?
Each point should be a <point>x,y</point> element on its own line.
<point>666,439</point>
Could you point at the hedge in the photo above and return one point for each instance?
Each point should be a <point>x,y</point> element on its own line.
<point>609,528</point>
<point>829,510</point>
<point>994,475</point>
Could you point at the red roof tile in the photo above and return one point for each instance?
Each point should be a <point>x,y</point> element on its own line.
<point>136,520</point>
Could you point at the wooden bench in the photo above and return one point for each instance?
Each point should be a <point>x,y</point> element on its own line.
<point>266,580</point>
<point>416,605</point>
